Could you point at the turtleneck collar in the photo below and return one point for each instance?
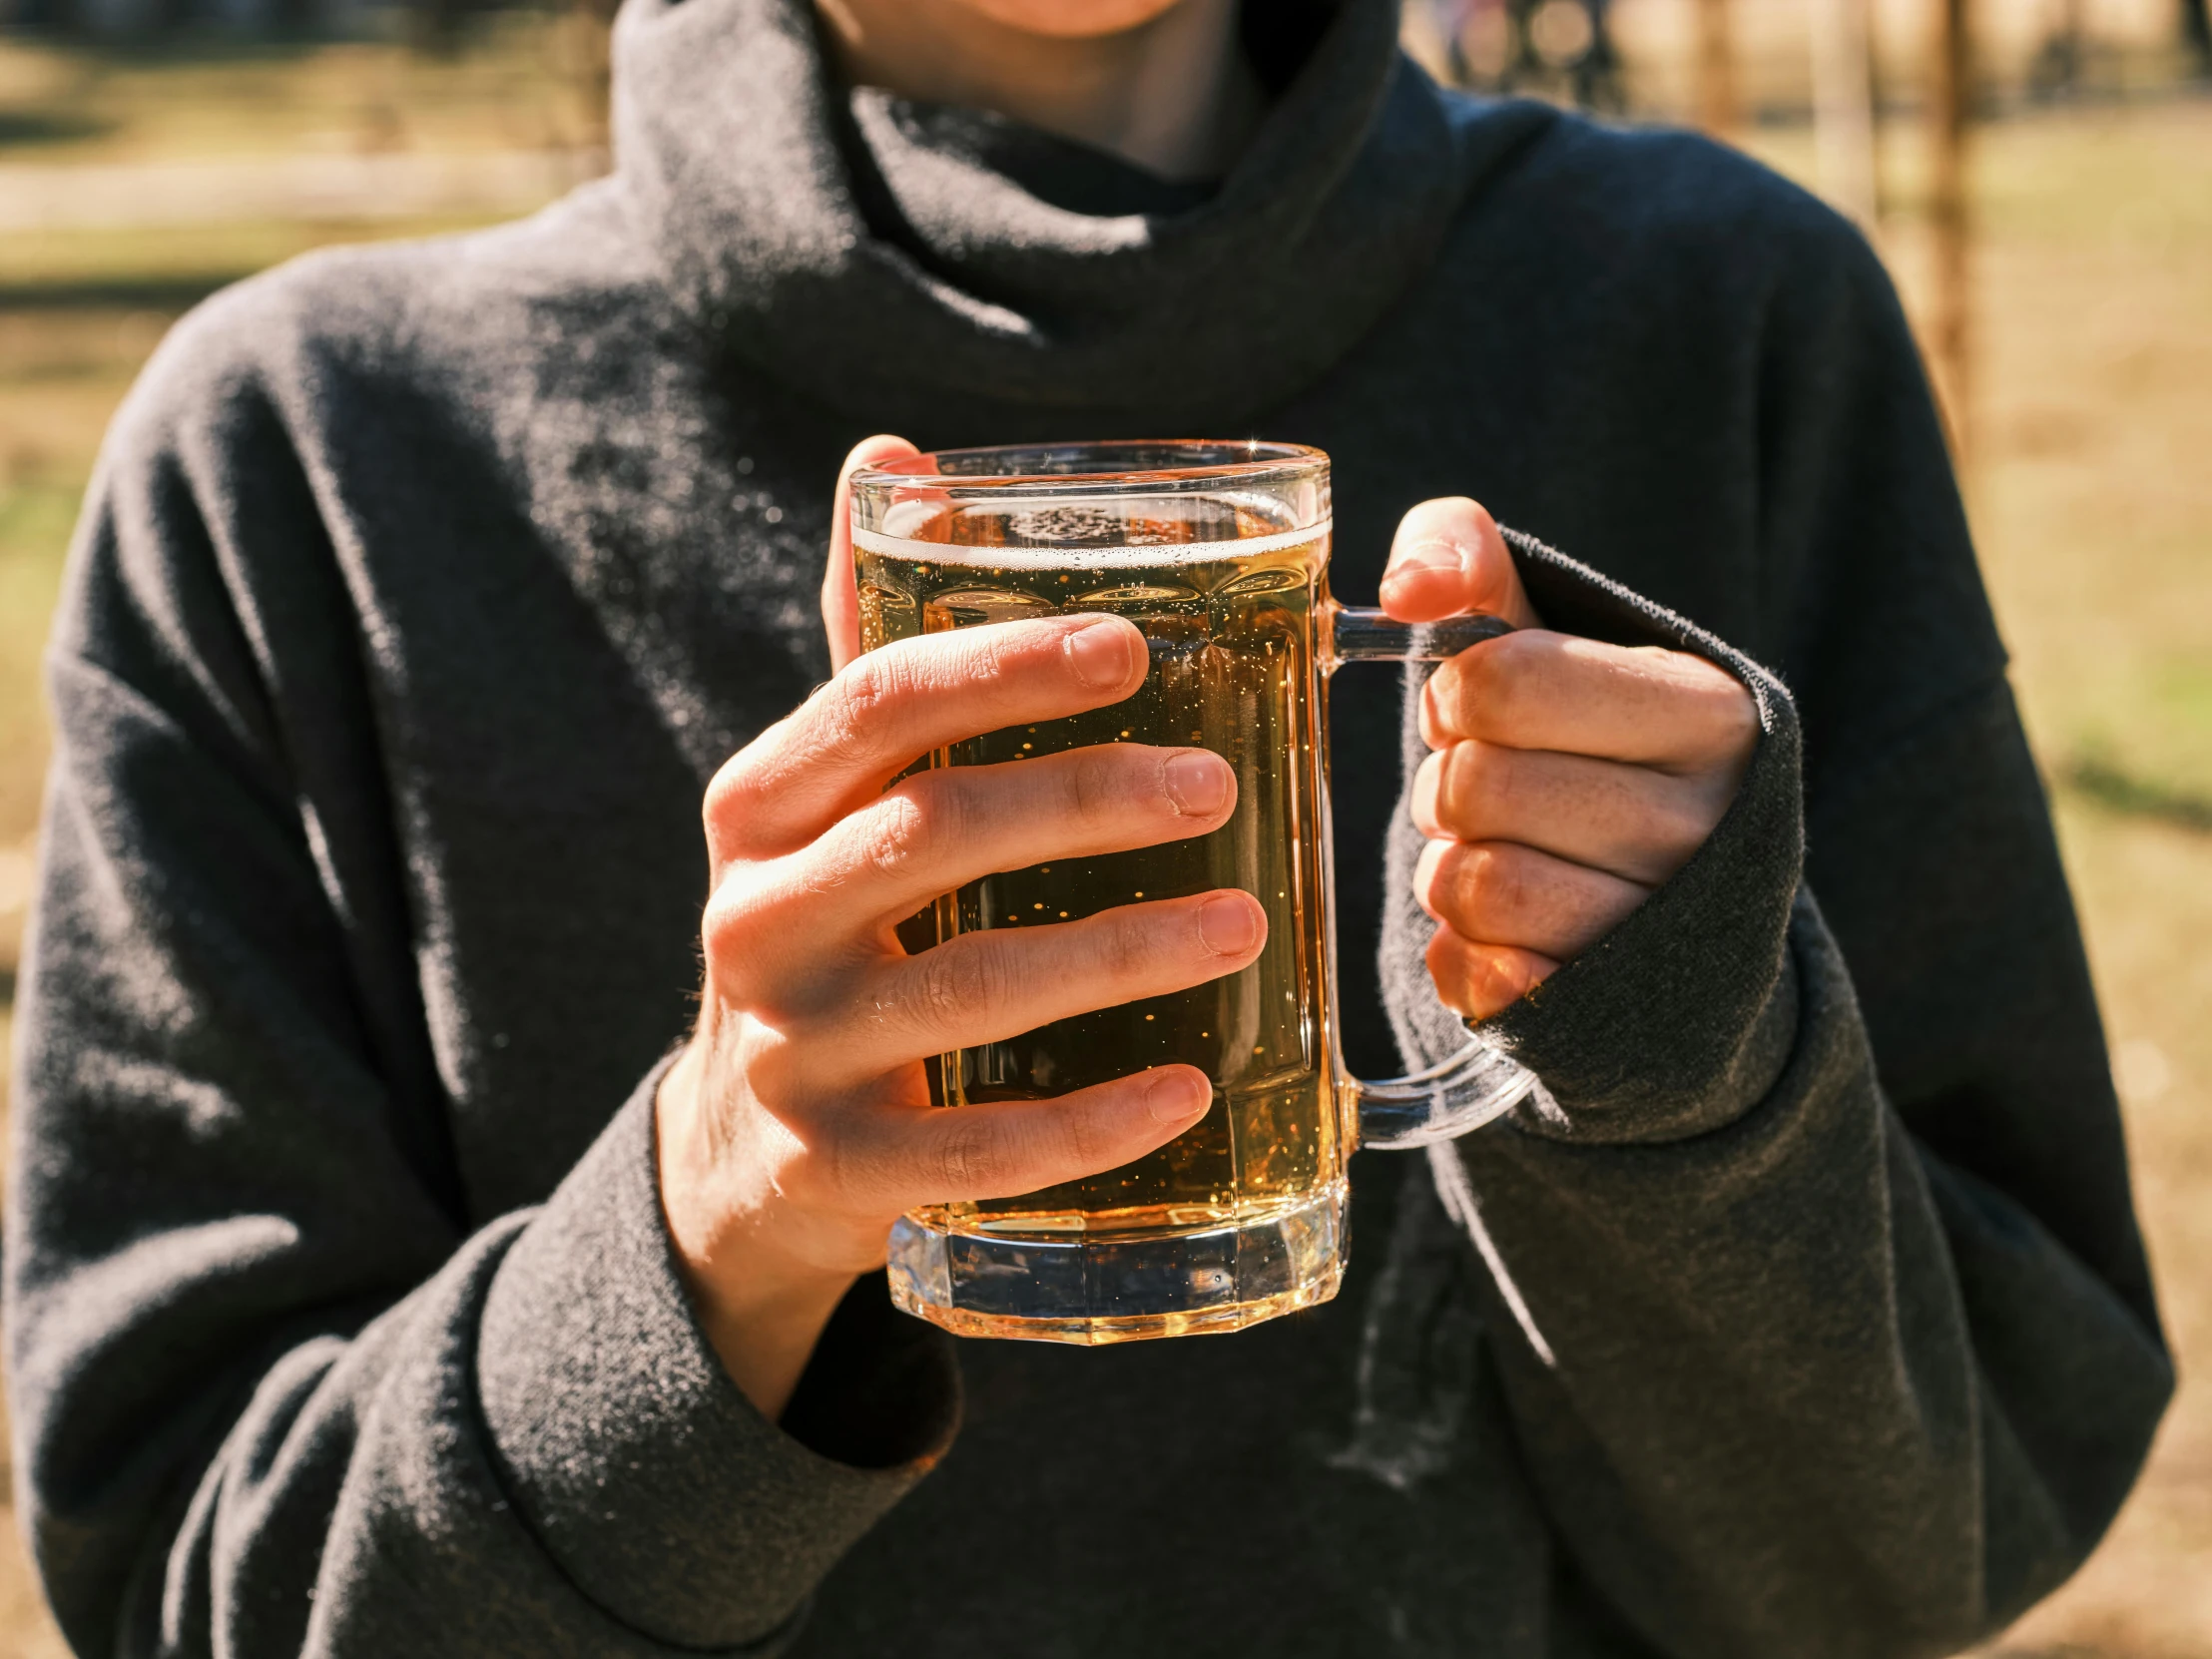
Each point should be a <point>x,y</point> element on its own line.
<point>939,270</point>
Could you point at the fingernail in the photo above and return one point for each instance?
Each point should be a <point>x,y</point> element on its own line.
<point>1177,1097</point>
<point>1229,927</point>
<point>1198,782</point>
<point>1099,654</point>
<point>1426,556</point>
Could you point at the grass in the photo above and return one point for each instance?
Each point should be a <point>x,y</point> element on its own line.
<point>2093,506</point>
<point>2096,778</point>
<point>51,273</point>
<point>2145,890</point>
<point>33,521</point>
<point>510,81</point>
<point>2089,422</point>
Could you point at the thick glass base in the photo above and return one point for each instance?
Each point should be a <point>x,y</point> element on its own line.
<point>1122,1287</point>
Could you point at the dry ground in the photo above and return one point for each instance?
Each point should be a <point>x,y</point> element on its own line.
<point>2093,505</point>
<point>2090,429</point>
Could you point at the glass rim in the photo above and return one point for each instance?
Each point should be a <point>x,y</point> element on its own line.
<point>1264,460</point>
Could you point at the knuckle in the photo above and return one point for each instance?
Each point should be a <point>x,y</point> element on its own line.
<point>1094,783</point>
<point>830,1168</point>
<point>1130,944</point>
<point>725,926</point>
<point>1460,878</point>
<point>1447,698</point>
<point>856,707</point>
<point>989,658</point>
<point>957,981</point>
<point>1442,953</point>
<point>1502,977</point>
<point>1477,689</point>
<point>969,1158</point>
<point>911,824</point>
<point>725,791</point>
<point>1738,717</point>
<point>855,1164</point>
<point>1451,969</point>
<point>1432,876</point>
<point>1477,981</point>
<point>1503,675</point>
<point>1719,715</point>
<point>1083,1144</point>
<point>1490,882</point>
<point>991,652</point>
<point>775,1066</point>
<point>1682,822</point>
<point>1471,774</point>
<point>1431,805</point>
<point>731,794</point>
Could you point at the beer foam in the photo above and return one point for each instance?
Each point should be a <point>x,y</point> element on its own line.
<point>1121,556</point>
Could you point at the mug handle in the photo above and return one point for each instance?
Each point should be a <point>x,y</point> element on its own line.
<point>1478,1084</point>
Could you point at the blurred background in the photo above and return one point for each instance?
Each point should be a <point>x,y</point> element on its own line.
<point>2037,174</point>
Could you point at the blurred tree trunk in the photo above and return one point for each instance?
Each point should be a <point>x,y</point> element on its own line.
<point>2062,62</point>
<point>434,25</point>
<point>2196,34</point>
<point>1848,163</point>
<point>1716,69</point>
<point>1951,112</point>
<point>591,27</point>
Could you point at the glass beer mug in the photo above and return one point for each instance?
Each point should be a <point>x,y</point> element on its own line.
<point>1219,554</point>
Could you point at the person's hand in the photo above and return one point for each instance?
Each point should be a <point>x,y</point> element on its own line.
<point>1569,778</point>
<point>795,1127</point>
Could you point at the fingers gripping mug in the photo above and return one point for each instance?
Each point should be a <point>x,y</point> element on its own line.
<point>1219,554</point>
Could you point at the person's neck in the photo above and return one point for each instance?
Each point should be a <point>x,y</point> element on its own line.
<point>1176,94</point>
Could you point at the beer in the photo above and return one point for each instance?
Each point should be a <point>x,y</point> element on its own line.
<point>1230,629</point>
<point>1218,553</point>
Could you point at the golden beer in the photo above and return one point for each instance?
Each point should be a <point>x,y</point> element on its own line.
<point>1218,554</point>
<point>1231,641</point>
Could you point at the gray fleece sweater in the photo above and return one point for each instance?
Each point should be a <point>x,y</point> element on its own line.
<point>421,589</point>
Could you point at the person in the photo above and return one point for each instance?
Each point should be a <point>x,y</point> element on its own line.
<point>441,1225</point>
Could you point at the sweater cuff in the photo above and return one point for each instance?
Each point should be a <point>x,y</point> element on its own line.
<point>1679,1020</point>
<point>654,1482</point>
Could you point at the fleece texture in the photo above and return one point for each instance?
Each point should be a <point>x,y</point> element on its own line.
<point>421,589</point>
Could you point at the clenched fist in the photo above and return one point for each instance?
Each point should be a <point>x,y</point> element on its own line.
<point>1569,778</point>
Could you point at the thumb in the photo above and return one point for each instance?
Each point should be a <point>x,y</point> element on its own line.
<point>1449,559</point>
<point>841,598</point>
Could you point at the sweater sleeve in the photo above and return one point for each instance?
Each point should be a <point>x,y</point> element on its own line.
<point>1788,1378</point>
<point>276,1391</point>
